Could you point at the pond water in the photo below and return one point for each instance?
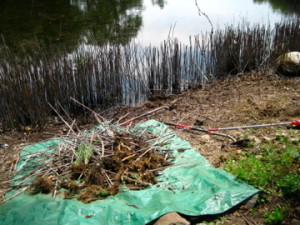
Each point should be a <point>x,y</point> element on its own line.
<point>70,22</point>
<point>107,52</point>
<point>181,19</point>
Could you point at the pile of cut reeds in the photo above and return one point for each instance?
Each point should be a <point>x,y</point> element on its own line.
<point>92,165</point>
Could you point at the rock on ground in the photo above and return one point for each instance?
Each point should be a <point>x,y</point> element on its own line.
<point>289,64</point>
<point>172,218</point>
<point>252,201</point>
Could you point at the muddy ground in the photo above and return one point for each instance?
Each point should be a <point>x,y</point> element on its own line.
<point>247,99</point>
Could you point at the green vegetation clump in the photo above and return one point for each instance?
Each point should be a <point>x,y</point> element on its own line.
<point>274,169</point>
<point>275,217</point>
<point>289,184</point>
<point>83,153</point>
<point>104,193</point>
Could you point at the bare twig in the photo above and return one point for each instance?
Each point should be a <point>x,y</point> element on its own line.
<point>15,195</point>
<point>145,184</point>
<point>55,188</point>
<point>206,16</point>
<point>99,118</point>
<point>61,117</point>
<point>248,221</point>
<point>223,135</point>
<point>67,114</point>
<point>145,114</point>
<point>128,157</point>
<point>107,177</point>
<point>122,117</point>
<point>201,130</point>
<point>103,148</point>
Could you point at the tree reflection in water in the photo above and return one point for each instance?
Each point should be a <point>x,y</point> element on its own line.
<point>24,24</point>
<point>285,6</point>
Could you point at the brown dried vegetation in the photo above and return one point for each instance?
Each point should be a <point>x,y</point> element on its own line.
<point>125,160</point>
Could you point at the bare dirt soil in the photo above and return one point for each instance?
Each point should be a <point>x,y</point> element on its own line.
<point>258,97</point>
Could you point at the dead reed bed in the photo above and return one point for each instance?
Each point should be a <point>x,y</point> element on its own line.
<point>128,74</point>
<point>246,48</point>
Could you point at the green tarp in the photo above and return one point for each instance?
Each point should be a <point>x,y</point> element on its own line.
<point>191,187</point>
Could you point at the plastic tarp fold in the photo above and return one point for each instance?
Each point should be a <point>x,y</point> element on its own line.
<point>191,187</point>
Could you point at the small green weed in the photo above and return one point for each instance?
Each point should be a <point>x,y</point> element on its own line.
<point>250,170</point>
<point>289,184</point>
<point>252,211</point>
<point>282,138</point>
<point>104,193</point>
<point>101,193</point>
<point>274,171</point>
<point>275,217</point>
<point>83,153</point>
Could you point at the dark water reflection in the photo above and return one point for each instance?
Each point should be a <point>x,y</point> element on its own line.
<point>284,6</point>
<point>24,23</point>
